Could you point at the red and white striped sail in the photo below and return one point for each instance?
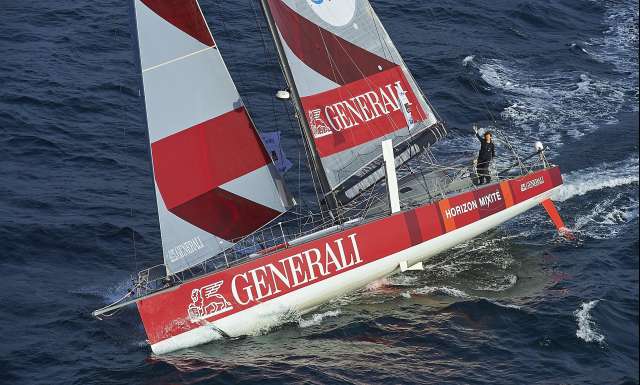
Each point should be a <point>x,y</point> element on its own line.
<point>214,180</point>
<point>353,84</point>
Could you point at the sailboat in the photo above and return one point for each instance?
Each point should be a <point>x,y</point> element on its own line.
<point>237,256</point>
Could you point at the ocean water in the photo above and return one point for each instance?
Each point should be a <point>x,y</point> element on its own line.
<point>517,305</point>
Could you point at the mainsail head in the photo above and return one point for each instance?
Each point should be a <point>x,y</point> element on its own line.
<point>214,180</point>
<point>354,88</point>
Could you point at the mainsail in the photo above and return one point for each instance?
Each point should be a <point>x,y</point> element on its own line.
<point>214,180</point>
<point>354,88</point>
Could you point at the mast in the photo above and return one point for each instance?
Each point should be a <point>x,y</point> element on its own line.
<point>316,165</point>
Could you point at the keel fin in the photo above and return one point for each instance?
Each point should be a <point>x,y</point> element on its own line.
<point>557,220</point>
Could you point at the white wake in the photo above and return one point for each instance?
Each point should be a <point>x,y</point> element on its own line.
<point>317,318</point>
<point>553,105</point>
<point>587,328</point>
<point>606,175</point>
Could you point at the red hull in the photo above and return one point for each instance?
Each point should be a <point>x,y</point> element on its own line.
<point>220,294</point>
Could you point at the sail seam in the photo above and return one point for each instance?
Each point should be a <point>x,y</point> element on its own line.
<point>175,60</point>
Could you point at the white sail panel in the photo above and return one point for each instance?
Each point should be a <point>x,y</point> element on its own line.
<point>214,180</point>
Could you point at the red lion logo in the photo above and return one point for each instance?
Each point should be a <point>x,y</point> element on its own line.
<point>318,127</point>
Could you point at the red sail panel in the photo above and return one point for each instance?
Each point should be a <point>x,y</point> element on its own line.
<point>326,53</point>
<point>185,15</point>
<point>224,214</point>
<point>196,160</point>
<point>192,164</point>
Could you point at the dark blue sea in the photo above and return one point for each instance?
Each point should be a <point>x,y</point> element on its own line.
<point>519,305</point>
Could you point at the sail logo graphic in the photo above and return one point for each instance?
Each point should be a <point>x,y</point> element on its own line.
<point>361,109</point>
<point>185,249</point>
<point>531,184</point>
<point>206,302</point>
<point>335,12</point>
<point>318,126</point>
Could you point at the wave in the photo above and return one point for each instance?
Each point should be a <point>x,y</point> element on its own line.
<point>457,293</point>
<point>506,283</point>
<point>468,60</point>
<point>480,307</point>
<point>317,318</point>
<point>572,103</point>
<point>551,106</point>
<point>619,43</point>
<point>587,328</point>
<point>440,290</point>
<point>608,217</point>
<point>616,205</point>
<point>606,175</point>
<point>375,285</point>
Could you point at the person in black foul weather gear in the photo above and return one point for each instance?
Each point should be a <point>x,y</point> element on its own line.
<point>486,155</point>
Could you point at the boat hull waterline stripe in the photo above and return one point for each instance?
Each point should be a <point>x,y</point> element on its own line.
<point>218,296</point>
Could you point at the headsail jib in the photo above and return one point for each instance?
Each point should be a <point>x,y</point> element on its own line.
<point>354,88</point>
<point>214,180</point>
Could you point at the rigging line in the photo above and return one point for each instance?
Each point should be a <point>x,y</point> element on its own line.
<point>273,77</point>
<point>420,90</point>
<point>225,31</point>
<point>365,78</point>
<point>333,65</point>
<point>307,155</point>
<point>129,293</point>
<point>300,168</point>
<point>125,147</point>
<point>177,59</point>
<point>267,60</point>
<point>493,119</point>
<point>359,154</point>
<point>313,177</point>
<point>504,136</point>
<point>301,120</point>
<point>495,122</point>
<point>356,153</point>
<point>333,69</point>
<point>383,43</point>
<point>484,103</point>
<point>300,184</point>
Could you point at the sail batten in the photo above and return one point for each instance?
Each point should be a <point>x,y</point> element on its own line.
<point>214,180</point>
<point>354,87</point>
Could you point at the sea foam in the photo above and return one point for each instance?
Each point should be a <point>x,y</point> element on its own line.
<point>587,328</point>
<point>317,318</point>
<point>606,175</point>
